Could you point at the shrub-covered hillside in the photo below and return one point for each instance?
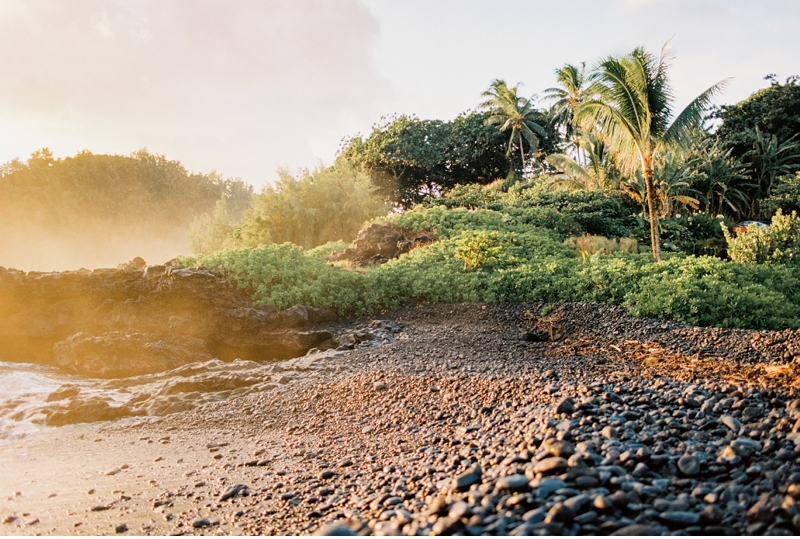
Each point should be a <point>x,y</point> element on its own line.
<point>518,247</point>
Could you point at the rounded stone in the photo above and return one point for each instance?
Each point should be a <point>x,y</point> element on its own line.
<point>512,482</point>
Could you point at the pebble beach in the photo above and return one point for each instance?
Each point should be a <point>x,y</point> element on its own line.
<point>471,419</point>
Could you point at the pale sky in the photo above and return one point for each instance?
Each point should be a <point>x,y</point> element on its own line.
<point>245,87</point>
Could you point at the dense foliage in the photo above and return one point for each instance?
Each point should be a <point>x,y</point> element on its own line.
<point>777,244</point>
<point>92,204</point>
<point>409,159</point>
<point>488,255</point>
<point>774,110</point>
<point>314,208</point>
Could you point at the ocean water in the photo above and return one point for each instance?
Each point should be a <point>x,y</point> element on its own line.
<point>29,393</point>
<point>24,389</point>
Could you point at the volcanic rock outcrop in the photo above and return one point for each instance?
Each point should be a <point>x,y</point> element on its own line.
<point>138,319</point>
<point>378,243</point>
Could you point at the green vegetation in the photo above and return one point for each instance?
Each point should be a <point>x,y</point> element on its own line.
<point>104,208</point>
<point>309,210</point>
<point>777,244</point>
<point>631,105</point>
<point>485,256</point>
<point>526,204</point>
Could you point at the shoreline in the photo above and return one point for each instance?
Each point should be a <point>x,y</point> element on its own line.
<point>376,442</point>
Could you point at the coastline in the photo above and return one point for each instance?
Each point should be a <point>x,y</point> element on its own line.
<point>376,441</point>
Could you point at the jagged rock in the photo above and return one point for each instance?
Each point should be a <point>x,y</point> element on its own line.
<point>117,355</point>
<point>41,312</point>
<point>379,243</point>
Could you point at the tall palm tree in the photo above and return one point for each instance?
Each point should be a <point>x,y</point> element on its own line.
<point>631,104</point>
<point>514,113</point>
<point>566,98</point>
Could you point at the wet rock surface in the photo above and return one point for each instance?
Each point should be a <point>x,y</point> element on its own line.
<point>145,319</point>
<point>458,426</point>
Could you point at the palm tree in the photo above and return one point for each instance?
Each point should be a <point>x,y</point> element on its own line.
<point>599,171</point>
<point>514,113</point>
<point>631,104</point>
<point>567,97</point>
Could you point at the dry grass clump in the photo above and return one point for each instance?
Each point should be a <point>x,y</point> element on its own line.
<point>589,244</point>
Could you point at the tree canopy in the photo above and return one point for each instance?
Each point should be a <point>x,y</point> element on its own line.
<point>409,159</point>
<point>774,110</point>
<point>85,209</point>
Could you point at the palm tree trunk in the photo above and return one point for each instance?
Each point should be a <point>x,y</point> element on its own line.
<point>651,203</point>
<point>522,154</point>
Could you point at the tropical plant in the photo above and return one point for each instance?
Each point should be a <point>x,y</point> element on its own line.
<point>513,113</point>
<point>770,159</point>
<point>785,196</point>
<point>566,98</point>
<point>599,171</point>
<point>778,243</point>
<point>631,104</point>
<point>719,178</point>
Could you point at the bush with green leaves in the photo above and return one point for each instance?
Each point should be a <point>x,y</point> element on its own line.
<point>785,196</point>
<point>535,267</point>
<point>777,244</point>
<point>310,209</point>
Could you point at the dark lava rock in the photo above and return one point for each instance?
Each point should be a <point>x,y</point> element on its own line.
<point>471,477</point>
<point>120,355</point>
<point>565,406</point>
<point>512,482</point>
<point>534,336</point>
<point>202,523</point>
<point>334,529</point>
<point>689,466</point>
<point>638,529</point>
<point>158,316</point>
<point>679,518</point>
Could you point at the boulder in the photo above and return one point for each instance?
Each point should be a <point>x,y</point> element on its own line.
<point>379,243</point>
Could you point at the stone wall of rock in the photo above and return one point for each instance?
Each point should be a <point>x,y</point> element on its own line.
<point>144,319</point>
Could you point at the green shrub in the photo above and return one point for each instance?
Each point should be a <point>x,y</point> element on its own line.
<point>327,204</point>
<point>785,196</point>
<point>777,244</point>
<point>485,256</point>
<point>324,250</point>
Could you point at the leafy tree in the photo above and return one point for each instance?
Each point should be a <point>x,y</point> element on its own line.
<point>631,104</point>
<point>785,196</point>
<point>769,159</point>
<point>316,207</point>
<point>94,209</point>
<point>774,110</point>
<point>515,114</point>
<point>719,178</point>
<point>408,158</point>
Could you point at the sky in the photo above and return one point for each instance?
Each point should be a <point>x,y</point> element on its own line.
<point>246,87</point>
